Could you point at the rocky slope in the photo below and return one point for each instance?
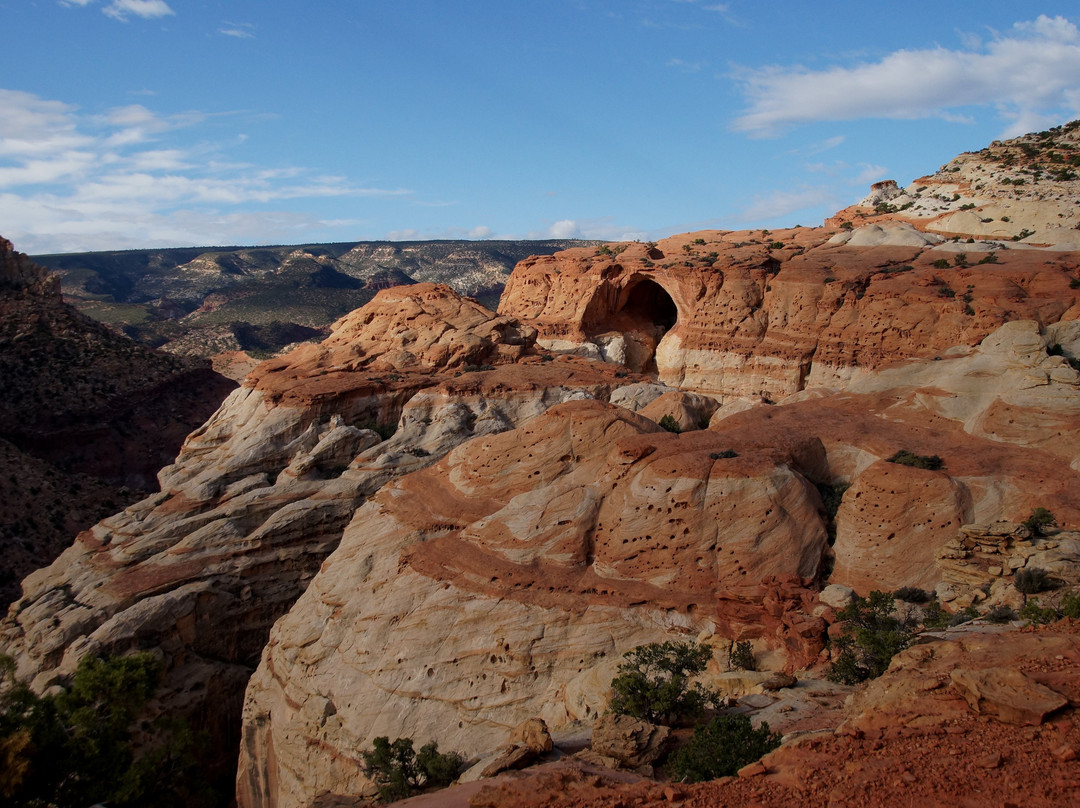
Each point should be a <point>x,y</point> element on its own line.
<point>259,495</point>
<point>529,520</point>
<point>86,417</point>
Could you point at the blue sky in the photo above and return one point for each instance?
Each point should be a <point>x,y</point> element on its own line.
<point>143,123</point>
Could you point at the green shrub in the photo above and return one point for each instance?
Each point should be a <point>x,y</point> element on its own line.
<point>965,615</point>
<point>74,747</point>
<point>832,494</point>
<point>1070,605</point>
<point>398,771</point>
<point>912,594</point>
<point>741,657</point>
<point>1032,581</point>
<point>941,263</point>
<point>1000,614</point>
<point>935,616</point>
<point>669,423</point>
<point>906,458</point>
<point>872,634</point>
<point>654,683</point>
<point>720,748</point>
<point>1038,615</point>
<point>724,455</point>
<point>1039,520</point>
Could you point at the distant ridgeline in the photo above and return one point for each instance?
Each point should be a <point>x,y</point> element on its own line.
<point>207,301</point>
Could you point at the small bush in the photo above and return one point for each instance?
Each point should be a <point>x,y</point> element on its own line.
<point>832,494</point>
<point>720,748</point>
<point>1000,614</point>
<point>963,616</point>
<point>741,657</point>
<point>654,683</point>
<point>935,616</point>
<point>941,263</point>
<point>398,771</point>
<point>75,747</point>
<point>871,636</point>
<point>912,594</point>
<point>669,423</point>
<point>724,455</point>
<point>1070,605</point>
<point>1032,581</point>
<point>906,458</point>
<point>1038,615</point>
<point>1039,520</point>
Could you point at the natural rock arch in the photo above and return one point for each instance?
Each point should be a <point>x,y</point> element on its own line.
<point>628,329</point>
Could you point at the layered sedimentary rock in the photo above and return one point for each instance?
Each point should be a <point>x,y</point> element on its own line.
<point>87,418</point>
<point>581,519</point>
<point>260,494</point>
<point>485,589</point>
<point>530,520</point>
<point>746,314</point>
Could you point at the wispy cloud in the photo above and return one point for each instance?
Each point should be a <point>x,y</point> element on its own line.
<point>684,66</point>
<point>1031,76</point>
<point>147,9</point>
<point>240,30</point>
<point>122,9</point>
<point>69,181</point>
<point>861,174</point>
<point>819,147</point>
<point>602,229</point>
<point>776,204</point>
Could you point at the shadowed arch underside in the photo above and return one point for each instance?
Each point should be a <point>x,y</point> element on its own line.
<point>629,333</point>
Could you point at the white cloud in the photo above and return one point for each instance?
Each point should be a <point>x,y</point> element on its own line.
<point>818,148</point>
<point>240,30</point>
<point>70,181</point>
<point>147,9</point>
<point>1029,76</point>
<point>564,228</point>
<point>684,66</point>
<point>868,174</point>
<point>768,207</point>
<point>481,232</point>
<point>600,229</point>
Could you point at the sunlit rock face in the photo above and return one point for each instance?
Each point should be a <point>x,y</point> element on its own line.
<point>505,582</point>
<point>530,520</point>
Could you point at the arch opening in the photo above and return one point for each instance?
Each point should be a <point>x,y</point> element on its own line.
<point>643,313</point>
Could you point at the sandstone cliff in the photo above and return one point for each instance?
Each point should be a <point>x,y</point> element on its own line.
<point>87,418</point>
<point>529,520</point>
<point>260,494</point>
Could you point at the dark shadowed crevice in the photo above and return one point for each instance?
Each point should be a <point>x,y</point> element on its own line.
<point>650,307</point>
<point>635,322</point>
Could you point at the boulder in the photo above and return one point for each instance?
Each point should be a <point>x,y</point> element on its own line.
<point>1006,694</point>
<point>532,734</point>
<point>631,741</point>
